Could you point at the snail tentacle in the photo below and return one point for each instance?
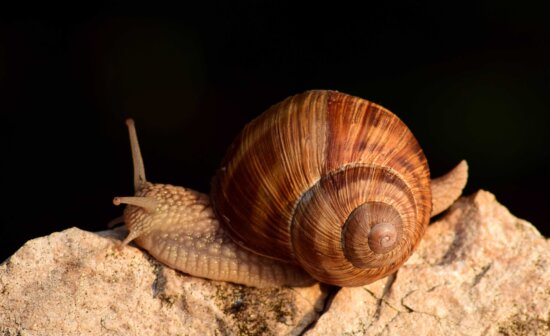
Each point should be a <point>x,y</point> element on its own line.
<point>115,222</point>
<point>148,204</point>
<point>139,169</point>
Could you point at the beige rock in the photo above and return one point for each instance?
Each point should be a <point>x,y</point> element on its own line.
<point>478,271</point>
<point>78,283</point>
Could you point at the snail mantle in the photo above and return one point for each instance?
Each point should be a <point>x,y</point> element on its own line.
<point>478,271</point>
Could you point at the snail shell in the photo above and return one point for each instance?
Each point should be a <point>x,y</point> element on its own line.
<point>323,182</point>
<point>332,182</point>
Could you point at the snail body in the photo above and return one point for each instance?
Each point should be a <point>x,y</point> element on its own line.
<point>323,185</point>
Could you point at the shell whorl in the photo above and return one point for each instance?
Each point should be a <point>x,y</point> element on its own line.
<point>332,182</point>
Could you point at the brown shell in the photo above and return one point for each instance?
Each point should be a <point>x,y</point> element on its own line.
<point>305,182</point>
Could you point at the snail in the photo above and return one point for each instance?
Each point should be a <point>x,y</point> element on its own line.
<point>323,186</point>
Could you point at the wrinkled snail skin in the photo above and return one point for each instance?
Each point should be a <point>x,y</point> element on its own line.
<point>323,185</point>
<point>184,234</point>
<point>448,188</point>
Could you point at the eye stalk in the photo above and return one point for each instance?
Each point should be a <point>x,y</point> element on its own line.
<point>147,203</point>
<point>139,169</point>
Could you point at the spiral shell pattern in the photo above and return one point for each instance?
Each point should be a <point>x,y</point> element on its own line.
<point>329,181</point>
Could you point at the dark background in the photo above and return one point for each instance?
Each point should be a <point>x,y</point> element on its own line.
<point>472,81</point>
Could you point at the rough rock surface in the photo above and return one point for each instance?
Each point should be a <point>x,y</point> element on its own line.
<point>79,283</point>
<point>478,271</point>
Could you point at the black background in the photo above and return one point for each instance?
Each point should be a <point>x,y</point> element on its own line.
<point>472,81</point>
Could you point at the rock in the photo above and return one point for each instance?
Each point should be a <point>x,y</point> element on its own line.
<point>478,271</point>
<point>79,283</point>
